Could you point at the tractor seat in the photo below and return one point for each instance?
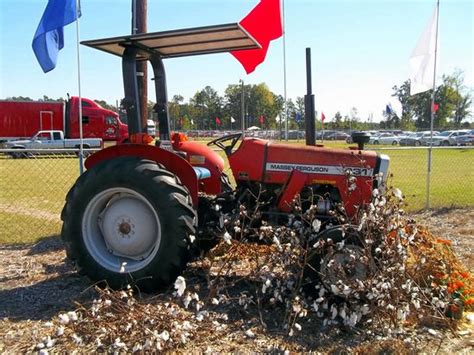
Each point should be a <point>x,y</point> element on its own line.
<point>201,173</point>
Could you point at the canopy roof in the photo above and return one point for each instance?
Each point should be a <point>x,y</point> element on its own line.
<point>179,43</point>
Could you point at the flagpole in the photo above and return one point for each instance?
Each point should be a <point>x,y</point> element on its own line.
<point>81,137</point>
<point>430,149</point>
<point>322,136</point>
<point>284,70</point>
<point>242,108</point>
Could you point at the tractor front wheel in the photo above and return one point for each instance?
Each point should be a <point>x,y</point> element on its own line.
<point>343,258</point>
<point>129,221</point>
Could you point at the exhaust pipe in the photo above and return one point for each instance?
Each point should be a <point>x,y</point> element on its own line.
<point>309,104</point>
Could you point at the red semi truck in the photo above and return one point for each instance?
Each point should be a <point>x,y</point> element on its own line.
<point>23,119</point>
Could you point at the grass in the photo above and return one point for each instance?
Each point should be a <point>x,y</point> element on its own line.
<point>32,191</point>
<point>451,180</point>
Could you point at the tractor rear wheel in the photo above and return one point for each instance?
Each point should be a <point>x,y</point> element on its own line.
<point>129,221</point>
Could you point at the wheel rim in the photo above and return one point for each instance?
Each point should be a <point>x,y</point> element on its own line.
<point>345,265</point>
<point>121,230</point>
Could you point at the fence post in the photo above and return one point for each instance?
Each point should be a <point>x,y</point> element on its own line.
<point>428,177</point>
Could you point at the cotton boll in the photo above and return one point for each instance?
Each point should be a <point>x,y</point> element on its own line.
<point>180,285</point>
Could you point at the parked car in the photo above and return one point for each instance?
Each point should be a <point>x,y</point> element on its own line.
<point>384,138</point>
<point>466,139</point>
<point>417,139</point>
<point>324,134</point>
<point>446,138</point>
<point>337,136</point>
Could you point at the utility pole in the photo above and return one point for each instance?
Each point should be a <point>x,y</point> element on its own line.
<point>139,25</point>
<point>242,107</point>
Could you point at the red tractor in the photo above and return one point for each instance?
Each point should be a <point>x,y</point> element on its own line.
<point>133,215</point>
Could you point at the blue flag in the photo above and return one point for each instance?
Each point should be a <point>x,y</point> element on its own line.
<point>298,116</point>
<point>49,36</point>
<point>388,109</point>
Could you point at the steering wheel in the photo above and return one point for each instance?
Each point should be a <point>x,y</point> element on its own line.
<point>234,138</point>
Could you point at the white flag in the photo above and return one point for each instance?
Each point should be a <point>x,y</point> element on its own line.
<point>232,119</point>
<point>422,60</point>
<point>192,122</point>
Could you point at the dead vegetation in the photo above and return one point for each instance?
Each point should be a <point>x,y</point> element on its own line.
<point>256,297</point>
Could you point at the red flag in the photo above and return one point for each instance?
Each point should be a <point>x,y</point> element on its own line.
<point>264,24</point>
<point>218,121</point>
<point>261,119</point>
<point>435,107</point>
<point>322,117</point>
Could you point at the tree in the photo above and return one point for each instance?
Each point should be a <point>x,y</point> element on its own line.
<point>461,103</point>
<point>210,106</point>
<point>291,111</point>
<point>46,98</point>
<point>174,110</point>
<point>261,103</point>
<point>19,98</point>
<point>453,103</point>
<point>105,105</point>
<point>233,103</point>
<point>279,102</point>
<point>407,102</point>
<point>337,123</point>
<point>299,106</point>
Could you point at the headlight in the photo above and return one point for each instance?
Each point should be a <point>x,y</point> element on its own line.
<point>383,161</point>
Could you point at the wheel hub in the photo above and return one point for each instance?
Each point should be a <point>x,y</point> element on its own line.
<point>121,226</point>
<point>129,227</point>
<point>125,228</point>
<point>347,265</point>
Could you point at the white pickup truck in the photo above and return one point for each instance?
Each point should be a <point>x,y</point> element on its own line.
<point>52,140</point>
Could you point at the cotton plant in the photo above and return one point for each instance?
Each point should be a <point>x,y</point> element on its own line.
<point>400,287</point>
<point>386,241</point>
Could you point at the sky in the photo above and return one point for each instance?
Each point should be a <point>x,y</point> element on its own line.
<point>359,48</point>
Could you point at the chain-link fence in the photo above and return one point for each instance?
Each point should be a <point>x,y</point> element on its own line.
<point>451,181</point>
<point>33,186</point>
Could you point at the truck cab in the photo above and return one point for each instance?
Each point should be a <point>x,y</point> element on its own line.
<point>97,121</point>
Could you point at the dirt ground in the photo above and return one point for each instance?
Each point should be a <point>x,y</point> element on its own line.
<point>36,284</point>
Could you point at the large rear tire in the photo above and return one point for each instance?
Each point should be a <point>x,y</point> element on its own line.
<point>129,221</point>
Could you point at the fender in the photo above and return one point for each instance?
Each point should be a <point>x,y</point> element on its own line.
<point>200,155</point>
<point>174,163</point>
